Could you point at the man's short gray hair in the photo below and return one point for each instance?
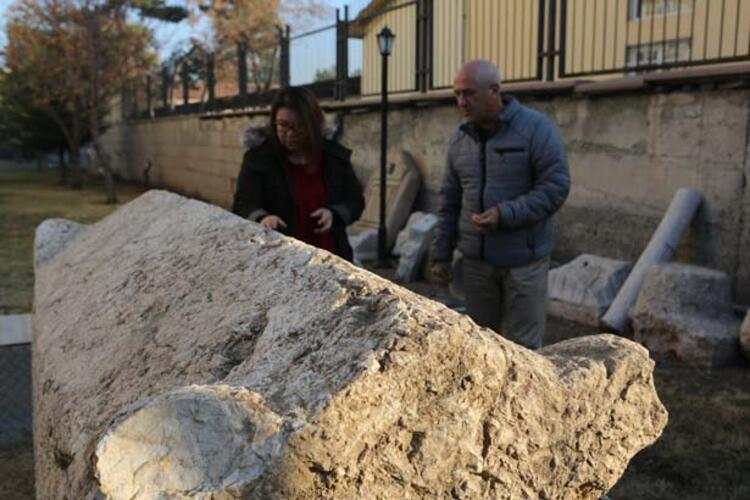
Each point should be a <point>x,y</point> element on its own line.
<point>483,72</point>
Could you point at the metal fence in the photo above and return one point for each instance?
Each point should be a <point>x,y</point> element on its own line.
<point>626,36</point>
<point>530,40</point>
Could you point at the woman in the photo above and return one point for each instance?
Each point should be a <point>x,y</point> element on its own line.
<point>297,182</point>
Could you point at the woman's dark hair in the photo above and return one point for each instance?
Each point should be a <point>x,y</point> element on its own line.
<point>303,102</point>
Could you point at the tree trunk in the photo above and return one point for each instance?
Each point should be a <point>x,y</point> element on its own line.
<point>70,172</point>
<point>76,180</point>
<point>269,80</point>
<point>101,157</point>
<point>102,160</point>
<point>63,166</point>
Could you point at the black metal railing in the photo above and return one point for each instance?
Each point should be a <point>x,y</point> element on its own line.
<point>530,40</point>
<point>635,36</point>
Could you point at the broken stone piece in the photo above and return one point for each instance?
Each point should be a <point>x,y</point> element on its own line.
<point>181,351</point>
<point>583,289</point>
<point>403,235</point>
<point>685,312</point>
<point>218,439</point>
<point>364,245</point>
<point>52,235</point>
<point>401,188</point>
<point>416,241</point>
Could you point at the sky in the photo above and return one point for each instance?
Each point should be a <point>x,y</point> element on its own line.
<point>4,4</point>
<point>308,54</point>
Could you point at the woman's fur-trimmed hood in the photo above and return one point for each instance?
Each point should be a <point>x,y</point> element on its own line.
<point>255,135</point>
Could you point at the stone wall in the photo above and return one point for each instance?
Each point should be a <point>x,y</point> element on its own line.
<point>628,153</point>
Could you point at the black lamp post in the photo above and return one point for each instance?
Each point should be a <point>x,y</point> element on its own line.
<point>385,44</point>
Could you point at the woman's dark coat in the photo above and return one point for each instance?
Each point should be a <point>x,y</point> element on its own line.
<point>263,188</point>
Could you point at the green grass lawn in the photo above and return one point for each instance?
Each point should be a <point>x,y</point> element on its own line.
<point>28,197</point>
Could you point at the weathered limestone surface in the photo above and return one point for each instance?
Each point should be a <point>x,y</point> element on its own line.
<point>51,236</point>
<point>183,352</point>
<point>583,289</point>
<point>364,245</point>
<point>686,311</point>
<point>412,244</point>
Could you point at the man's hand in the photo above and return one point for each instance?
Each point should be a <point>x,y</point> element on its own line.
<point>441,272</point>
<point>486,221</point>
<point>272,222</point>
<point>324,218</point>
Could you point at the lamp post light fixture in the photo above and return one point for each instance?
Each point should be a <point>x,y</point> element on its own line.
<point>385,45</point>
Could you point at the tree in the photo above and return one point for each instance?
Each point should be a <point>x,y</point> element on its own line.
<point>114,52</point>
<point>26,126</point>
<point>254,25</point>
<point>40,43</point>
<point>74,57</point>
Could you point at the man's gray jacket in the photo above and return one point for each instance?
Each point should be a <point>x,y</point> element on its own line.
<point>522,170</point>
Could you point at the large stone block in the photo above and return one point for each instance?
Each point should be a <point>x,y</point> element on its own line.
<point>181,351</point>
<point>583,289</point>
<point>364,245</point>
<point>402,184</point>
<point>686,312</point>
<point>412,244</point>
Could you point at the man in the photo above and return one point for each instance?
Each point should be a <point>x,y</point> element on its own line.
<point>505,175</point>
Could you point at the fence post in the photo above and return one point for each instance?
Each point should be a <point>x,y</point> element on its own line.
<point>242,68</point>
<point>551,40</point>
<point>337,82</point>
<point>342,55</point>
<point>284,57</point>
<point>210,80</point>
<point>540,30</point>
<point>563,37</point>
<point>424,45</point>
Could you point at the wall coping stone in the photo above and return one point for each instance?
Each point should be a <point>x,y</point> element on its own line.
<point>737,73</point>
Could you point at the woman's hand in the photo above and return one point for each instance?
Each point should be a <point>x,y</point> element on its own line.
<point>324,218</point>
<point>272,222</point>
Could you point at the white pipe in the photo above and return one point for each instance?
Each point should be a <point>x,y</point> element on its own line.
<point>661,248</point>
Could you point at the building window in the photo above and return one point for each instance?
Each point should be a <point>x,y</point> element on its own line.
<point>638,9</point>
<point>659,53</point>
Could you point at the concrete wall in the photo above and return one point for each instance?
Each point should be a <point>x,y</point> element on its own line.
<point>628,154</point>
<point>199,158</point>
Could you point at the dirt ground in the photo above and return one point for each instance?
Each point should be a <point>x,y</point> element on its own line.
<point>28,197</point>
<point>17,473</point>
<point>704,452</point>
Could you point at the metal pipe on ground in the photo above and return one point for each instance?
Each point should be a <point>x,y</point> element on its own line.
<point>661,248</point>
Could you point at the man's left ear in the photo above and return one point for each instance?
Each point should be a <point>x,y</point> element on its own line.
<point>495,89</point>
